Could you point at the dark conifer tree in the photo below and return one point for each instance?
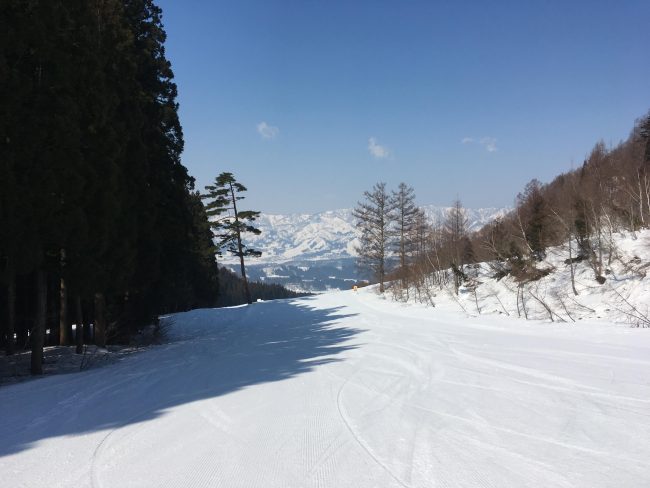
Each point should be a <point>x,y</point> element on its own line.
<point>41,143</point>
<point>202,264</point>
<point>164,217</point>
<point>229,222</point>
<point>231,290</point>
<point>103,256</point>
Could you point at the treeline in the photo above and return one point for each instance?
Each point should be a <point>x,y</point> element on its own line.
<point>580,209</point>
<point>99,220</point>
<point>232,290</point>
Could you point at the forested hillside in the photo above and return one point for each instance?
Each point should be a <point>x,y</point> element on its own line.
<point>231,290</point>
<point>609,192</point>
<point>581,209</point>
<point>99,221</point>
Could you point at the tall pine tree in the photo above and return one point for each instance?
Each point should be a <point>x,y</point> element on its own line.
<point>229,222</point>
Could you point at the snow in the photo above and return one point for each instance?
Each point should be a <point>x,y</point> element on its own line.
<point>623,299</point>
<point>344,389</point>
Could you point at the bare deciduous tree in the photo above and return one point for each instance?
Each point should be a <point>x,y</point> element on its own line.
<point>455,230</point>
<point>374,221</point>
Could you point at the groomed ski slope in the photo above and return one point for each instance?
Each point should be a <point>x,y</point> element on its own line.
<point>343,390</point>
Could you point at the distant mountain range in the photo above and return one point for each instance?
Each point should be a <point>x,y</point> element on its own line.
<point>316,252</point>
<point>329,235</point>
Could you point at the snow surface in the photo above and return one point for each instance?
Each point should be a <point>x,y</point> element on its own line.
<point>624,297</point>
<point>343,389</point>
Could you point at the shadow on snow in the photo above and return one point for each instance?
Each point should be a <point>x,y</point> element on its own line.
<point>212,352</point>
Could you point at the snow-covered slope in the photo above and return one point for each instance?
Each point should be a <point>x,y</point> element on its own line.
<point>624,297</point>
<point>328,235</point>
<point>343,390</point>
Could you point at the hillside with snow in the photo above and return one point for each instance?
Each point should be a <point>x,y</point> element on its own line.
<point>623,297</point>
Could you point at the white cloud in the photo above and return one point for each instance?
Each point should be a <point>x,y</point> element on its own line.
<point>378,151</point>
<point>267,131</point>
<point>489,143</point>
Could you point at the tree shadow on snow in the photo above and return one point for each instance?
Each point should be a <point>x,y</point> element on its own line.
<point>212,352</point>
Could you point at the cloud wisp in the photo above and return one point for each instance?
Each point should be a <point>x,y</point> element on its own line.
<point>489,143</point>
<point>267,131</point>
<point>377,150</point>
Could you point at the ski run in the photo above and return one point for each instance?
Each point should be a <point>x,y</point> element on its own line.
<point>344,389</point>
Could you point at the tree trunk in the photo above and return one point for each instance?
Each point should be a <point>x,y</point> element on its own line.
<point>573,279</point>
<point>247,291</point>
<point>382,252</point>
<point>11,314</point>
<point>100,320</point>
<point>638,175</point>
<point>64,328</point>
<point>38,333</point>
<point>240,248</point>
<point>646,185</point>
<point>79,332</point>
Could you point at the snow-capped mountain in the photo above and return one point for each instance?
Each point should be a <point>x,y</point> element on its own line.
<point>329,235</point>
<point>316,252</point>
<point>325,235</point>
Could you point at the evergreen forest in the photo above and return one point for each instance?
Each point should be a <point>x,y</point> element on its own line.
<point>100,222</point>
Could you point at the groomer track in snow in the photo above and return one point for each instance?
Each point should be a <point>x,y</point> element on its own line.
<point>343,390</point>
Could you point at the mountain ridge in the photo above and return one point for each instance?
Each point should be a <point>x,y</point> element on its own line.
<point>330,234</point>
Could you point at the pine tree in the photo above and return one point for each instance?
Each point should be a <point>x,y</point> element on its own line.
<point>12,24</point>
<point>203,264</point>
<point>100,254</point>
<point>230,223</point>
<point>374,221</point>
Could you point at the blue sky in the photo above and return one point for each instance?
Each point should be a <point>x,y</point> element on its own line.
<point>309,103</point>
